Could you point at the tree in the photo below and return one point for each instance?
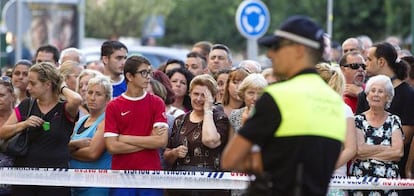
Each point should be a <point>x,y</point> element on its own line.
<point>106,18</point>
<point>377,19</point>
<point>196,20</point>
<point>189,21</point>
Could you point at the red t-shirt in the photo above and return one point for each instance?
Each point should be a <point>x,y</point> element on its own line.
<point>351,102</point>
<point>135,116</point>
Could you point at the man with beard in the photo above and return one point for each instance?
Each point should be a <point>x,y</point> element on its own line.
<point>353,67</point>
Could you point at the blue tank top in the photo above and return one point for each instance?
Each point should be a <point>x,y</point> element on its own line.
<point>104,162</point>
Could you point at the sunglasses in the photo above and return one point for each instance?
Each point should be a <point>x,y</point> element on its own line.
<point>355,65</point>
<point>6,81</point>
<point>240,68</point>
<point>281,44</point>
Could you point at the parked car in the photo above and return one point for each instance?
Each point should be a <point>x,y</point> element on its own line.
<point>155,54</point>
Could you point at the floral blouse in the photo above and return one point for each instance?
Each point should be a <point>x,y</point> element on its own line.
<point>371,167</point>
<point>199,157</point>
<point>235,118</point>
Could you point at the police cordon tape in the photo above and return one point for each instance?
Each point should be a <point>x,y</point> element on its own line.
<point>169,179</point>
<point>124,178</point>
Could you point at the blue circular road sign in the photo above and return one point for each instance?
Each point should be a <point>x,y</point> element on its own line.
<point>252,19</point>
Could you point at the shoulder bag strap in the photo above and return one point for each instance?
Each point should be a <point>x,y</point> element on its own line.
<point>31,103</point>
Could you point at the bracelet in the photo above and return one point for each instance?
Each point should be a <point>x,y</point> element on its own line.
<point>61,89</point>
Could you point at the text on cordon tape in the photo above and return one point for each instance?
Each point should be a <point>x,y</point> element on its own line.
<point>169,179</point>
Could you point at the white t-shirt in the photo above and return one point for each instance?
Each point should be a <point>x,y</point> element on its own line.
<point>173,111</point>
<point>341,171</point>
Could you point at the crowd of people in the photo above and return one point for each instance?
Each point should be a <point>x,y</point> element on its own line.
<point>313,115</point>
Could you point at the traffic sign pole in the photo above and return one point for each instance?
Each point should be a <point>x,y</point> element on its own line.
<point>19,34</point>
<point>252,49</point>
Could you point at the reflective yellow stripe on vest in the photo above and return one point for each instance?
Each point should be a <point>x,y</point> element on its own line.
<point>308,106</point>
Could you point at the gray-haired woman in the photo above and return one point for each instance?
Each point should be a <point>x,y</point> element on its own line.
<point>87,145</point>
<point>379,136</point>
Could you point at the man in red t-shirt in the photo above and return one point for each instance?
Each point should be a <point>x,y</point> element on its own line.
<point>136,126</point>
<point>353,67</point>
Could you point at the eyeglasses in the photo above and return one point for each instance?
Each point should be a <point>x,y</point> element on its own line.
<point>145,73</point>
<point>5,79</point>
<point>355,65</point>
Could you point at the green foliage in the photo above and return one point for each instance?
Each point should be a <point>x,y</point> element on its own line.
<point>349,21</point>
<point>196,20</point>
<point>105,18</point>
<point>375,18</point>
<point>189,21</point>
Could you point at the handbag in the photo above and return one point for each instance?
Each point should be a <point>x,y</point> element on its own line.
<point>18,144</point>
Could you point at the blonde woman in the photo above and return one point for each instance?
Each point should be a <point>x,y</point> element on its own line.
<point>249,91</point>
<point>333,76</point>
<point>50,125</point>
<point>336,80</point>
<point>82,88</point>
<point>70,71</point>
<point>269,75</point>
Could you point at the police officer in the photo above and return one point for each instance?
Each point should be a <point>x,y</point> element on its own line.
<point>299,124</point>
